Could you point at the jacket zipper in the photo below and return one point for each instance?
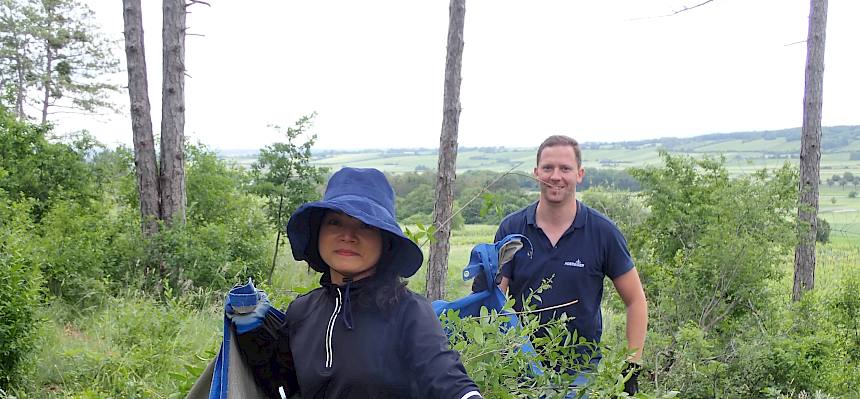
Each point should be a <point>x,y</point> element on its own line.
<point>329,355</point>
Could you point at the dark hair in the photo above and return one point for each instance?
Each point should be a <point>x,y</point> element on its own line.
<point>386,286</point>
<point>313,250</point>
<point>559,139</point>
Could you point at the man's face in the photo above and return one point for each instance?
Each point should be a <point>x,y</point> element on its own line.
<point>559,174</point>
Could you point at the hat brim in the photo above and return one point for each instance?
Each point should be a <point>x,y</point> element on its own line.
<point>406,257</point>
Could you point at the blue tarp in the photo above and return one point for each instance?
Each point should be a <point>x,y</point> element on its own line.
<point>488,258</point>
<point>228,377</point>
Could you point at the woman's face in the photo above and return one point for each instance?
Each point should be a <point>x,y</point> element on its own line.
<point>350,247</point>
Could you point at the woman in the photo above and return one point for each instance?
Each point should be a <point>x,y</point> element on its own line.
<point>362,334</point>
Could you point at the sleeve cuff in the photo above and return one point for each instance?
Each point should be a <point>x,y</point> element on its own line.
<point>471,394</point>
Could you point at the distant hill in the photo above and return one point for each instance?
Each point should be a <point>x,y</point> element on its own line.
<point>834,139</point>
<point>744,152</point>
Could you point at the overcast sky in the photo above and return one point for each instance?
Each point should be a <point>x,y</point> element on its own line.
<point>605,70</point>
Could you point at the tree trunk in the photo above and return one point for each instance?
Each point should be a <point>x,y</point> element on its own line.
<point>172,182</point>
<point>810,151</point>
<point>19,89</point>
<point>437,272</point>
<point>46,99</point>
<point>141,119</point>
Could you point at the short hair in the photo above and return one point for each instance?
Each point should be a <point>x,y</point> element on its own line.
<point>559,139</point>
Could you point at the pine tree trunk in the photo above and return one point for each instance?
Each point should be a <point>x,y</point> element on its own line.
<point>19,87</point>
<point>172,181</point>
<point>810,151</point>
<point>141,118</point>
<point>437,272</point>
<point>49,64</point>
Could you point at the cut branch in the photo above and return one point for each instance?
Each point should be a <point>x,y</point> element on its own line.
<point>689,8</point>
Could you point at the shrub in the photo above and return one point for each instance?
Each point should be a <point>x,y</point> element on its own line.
<point>20,287</point>
<point>495,361</point>
<point>822,233</point>
<point>75,240</point>
<point>622,207</point>
<point>41,169</point>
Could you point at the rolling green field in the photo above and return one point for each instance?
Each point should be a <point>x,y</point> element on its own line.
<point>843,214</point>
<point>744,152</point>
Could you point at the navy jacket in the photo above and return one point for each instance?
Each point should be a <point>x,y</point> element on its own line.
<point>399,352</point>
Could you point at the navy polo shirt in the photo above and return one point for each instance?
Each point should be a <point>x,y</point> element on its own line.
<point>589,250</point>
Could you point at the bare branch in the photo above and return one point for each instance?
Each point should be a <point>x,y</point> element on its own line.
<point>690,8</point>
<point>193,2</point>
<point>792,44</point>
<point>674,13</point>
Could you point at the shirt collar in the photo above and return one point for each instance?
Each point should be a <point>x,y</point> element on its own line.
<point>578,220</point>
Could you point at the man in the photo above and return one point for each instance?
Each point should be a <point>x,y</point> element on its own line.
<point>575,245</point>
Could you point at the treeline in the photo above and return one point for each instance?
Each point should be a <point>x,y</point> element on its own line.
<point>833,139</point>
<point>486,196</point>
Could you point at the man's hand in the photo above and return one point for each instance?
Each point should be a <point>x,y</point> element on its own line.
<point>631,386</point>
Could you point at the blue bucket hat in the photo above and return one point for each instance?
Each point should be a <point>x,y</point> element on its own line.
<point>366,195</point>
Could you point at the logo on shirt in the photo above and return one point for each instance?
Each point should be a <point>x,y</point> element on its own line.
<point>578,263</point>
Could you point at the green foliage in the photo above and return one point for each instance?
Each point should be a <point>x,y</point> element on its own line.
<point>283,173</point>
<point>91,247</point>
<point>418,201</point>
<point>216,190</point>
<point>711,244</point>
<point>132,347</point>
<point>617,179</point>
<point>495,362</point>
<point>39,169</point>
<point>20,287</point>
<point>225,240</point>
<point>76,241</point>
<point>852,194</point>
<point>227,235</point>
<point>212,255</point>
<point>623,208</point>
<point>494,359</point>
<point>822,233</point>
<point>113,171</point>
<point>404,183</point>
<point>810,346</point>
<point>493,205</point>
<point>421,233</point>
<point>709,251</point>
<point>51,48</point>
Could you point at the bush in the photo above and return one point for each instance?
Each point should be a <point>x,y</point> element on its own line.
<point>495,361</point>
<point>852,194</point>
<point>40,169</point>
<point>822,233</point>
<point>20,287</point>
<point>226,238</point>
<point>213,255</point>
<point>709,251</point>
<point>621,207</point>
<point>76,240</point>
